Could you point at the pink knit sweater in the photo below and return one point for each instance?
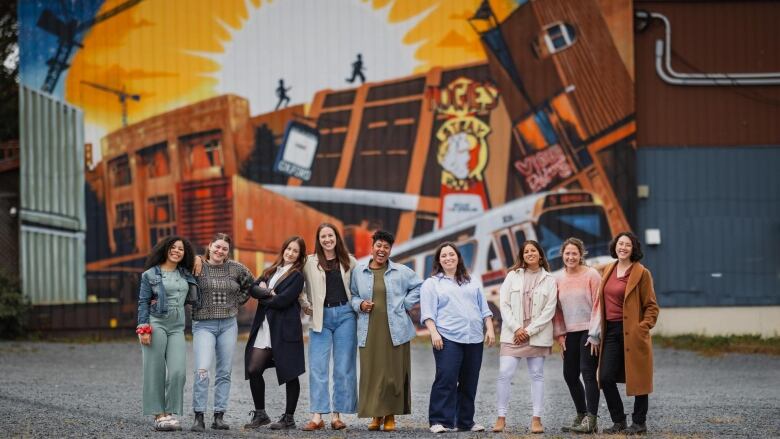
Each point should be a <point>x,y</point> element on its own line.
<point>578,302</point>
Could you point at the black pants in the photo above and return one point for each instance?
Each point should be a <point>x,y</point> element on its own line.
<point>578,360</point>
<point>259,361</point>
<point>613,370</point>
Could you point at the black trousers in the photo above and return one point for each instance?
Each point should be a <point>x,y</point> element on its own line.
<point>578,360</point>
<point>613,370</point>
<point>259,361</point>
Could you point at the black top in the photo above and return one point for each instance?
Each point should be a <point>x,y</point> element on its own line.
<point>334,284</point>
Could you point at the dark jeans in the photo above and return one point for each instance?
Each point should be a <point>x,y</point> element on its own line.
<point>613,371</point>
<point>455,385</point>
<point>577,359</point>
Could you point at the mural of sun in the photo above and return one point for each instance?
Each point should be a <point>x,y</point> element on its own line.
<point>176,52</point>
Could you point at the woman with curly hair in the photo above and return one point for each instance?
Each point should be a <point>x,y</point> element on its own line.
<point>166,286</point>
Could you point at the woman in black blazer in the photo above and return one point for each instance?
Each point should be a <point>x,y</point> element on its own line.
<point>276,339</point>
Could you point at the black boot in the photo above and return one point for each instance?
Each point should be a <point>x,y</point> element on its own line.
<point>285,422</point>
<point>198,425</point>
<point>636,428</point>
<point>617,428</point>
<point>259,418</point>
<point>218,423</point>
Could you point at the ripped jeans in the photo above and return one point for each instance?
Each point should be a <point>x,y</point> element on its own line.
<point>210,338</point>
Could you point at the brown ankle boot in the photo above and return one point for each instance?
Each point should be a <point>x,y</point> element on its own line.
<point>374,424</point>
<point>389,423</point>
<point>500,425</point>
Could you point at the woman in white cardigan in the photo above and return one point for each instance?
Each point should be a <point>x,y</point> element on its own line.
<point>528,298</point>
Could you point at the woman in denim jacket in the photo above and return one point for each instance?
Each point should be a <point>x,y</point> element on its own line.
<point>166,286</point>
<point>382,294</point>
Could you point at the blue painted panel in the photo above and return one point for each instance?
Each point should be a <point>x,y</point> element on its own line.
<point>718,210</point>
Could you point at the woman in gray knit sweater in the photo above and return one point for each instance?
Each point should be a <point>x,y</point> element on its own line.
<point>224,286</point>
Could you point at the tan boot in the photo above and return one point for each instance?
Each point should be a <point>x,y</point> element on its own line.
<point>374,424</point>
<point>389,423</point>
<point>500,425</point>
<point>536,425</point>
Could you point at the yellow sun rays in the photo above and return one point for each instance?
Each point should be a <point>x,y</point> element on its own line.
<point>158,49</point>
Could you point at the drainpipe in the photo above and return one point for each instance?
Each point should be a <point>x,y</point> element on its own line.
<point>663,64</point>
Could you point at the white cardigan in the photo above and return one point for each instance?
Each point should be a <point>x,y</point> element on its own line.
<point>313,294</point>
<point>544,301</point>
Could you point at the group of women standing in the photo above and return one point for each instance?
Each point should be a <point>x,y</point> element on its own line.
<point>601,322</point>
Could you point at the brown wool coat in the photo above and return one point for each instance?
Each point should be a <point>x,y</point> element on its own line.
<point>640,312</point>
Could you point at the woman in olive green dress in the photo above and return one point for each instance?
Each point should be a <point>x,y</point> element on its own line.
<point>382,294</point>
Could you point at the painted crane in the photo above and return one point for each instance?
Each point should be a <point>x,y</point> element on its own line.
<point>121,94</point>
<point>67,31</point>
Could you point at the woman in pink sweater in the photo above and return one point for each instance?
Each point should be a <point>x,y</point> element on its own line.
<point>578,313</point>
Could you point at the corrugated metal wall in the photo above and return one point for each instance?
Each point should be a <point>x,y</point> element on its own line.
<point>53,219</point>
<point>718,210</point>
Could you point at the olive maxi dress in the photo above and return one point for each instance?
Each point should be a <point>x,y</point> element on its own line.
<point>385,370</point>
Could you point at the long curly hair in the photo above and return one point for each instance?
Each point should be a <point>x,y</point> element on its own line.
<point>159,253</point>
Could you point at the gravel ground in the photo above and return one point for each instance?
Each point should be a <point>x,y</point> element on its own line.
<point>94,390</point>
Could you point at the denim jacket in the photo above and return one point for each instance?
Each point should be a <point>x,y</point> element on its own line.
<point>152,289</point>
<point>403,292</point>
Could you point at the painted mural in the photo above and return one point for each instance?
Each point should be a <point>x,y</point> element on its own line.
<point>483,122</point>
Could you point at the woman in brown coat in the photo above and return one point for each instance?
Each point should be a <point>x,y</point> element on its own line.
<point>628,311</point>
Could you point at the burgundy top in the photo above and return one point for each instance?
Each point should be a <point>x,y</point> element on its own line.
<point>614,293</point>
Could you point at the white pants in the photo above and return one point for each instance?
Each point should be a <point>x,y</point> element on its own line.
<point>506,371</point>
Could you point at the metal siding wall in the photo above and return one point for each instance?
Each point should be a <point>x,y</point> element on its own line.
<point>718,210</point>
<point>53,216</point>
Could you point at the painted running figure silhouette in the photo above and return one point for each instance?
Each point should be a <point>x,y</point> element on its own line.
<point>281,92</point>
<point>357,70</point>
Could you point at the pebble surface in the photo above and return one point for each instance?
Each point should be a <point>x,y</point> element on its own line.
<point>94,390</point>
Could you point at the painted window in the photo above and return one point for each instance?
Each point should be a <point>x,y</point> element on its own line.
<point>559,36</point>
<point>119,169</point>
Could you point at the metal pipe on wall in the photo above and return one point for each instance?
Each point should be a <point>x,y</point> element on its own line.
<point>663,64</point>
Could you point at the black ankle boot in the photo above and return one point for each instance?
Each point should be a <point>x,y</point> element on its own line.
<point>285,422</point>
<point>636,428</point>
<point>218,423</point>
<point>617,428</point>
<point>259,418</point>
<point>198,425</point>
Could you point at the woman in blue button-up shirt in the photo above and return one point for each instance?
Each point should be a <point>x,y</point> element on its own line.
<point>456,313</point>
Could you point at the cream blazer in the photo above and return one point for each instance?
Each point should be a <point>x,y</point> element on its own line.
<point>544,301</point>
<point>313,294</point>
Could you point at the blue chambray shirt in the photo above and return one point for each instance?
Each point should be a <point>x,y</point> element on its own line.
<point>403,292</point>
<point>457,310</point>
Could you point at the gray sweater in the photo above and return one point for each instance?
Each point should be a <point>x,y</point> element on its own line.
<point>223,289</point>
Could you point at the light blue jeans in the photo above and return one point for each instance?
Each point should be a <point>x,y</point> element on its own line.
<point>210,337</point>
<point>339,334</point>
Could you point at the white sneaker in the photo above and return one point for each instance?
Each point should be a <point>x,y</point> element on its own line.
<point>167,423</point>
<point>438,428</point>
<point>477,427</point>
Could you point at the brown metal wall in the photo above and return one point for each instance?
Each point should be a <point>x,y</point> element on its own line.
<point>709,37</point>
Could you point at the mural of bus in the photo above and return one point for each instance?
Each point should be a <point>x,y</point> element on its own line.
<point>490,242</point>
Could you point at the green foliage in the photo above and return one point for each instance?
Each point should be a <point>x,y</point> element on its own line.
<point>14,309</point>
<point>716,345</point>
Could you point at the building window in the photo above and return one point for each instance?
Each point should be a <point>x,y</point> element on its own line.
<point>119,168</point>
<point>125,215</point>
<point>160,209</point>
<point>559,36</point>
<point>124,229</point>
<point>204,150</point>
<point>155,160</point>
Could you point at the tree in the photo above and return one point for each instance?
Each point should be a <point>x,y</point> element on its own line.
<point>9,71</point>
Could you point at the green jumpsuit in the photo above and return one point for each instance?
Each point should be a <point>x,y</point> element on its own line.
<point>164,392</point>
